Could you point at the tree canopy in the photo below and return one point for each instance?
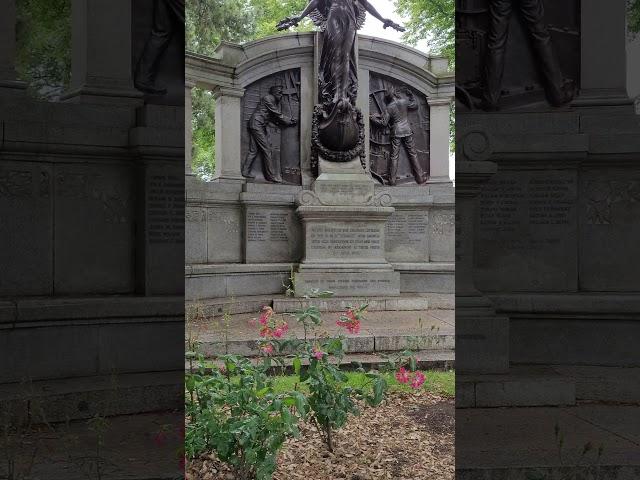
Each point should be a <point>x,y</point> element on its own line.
<point>208,22</point>
<point>431,20</point>
<point>633,17</point>
<point>44,45</point>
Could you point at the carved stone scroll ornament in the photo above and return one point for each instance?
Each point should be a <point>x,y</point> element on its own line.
<point>339,125</point>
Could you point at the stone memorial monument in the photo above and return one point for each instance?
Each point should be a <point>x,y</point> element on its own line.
<point>91,197</point>
<point>332,173</point>
<point>547,197</point>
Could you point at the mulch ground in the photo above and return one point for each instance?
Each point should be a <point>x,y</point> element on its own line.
<point>409,437</point>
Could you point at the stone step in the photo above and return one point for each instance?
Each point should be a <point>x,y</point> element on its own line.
<point>520,387</point>
<point>129,450</point>
<point>106,395</point>
<point>426,359</point>
<point>211,345</point>
<point>282,303</point>
<point>603,384</point>
<point>521,443</point>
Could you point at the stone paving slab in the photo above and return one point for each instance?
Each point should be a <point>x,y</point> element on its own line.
<point>508,440</point>
<point>521,386</point>
<point>131,450</point>
<point>606,384</point>
<point>282,303</point>
<point>431,360</point>
<point>380,331</point>
<point>83,397</point>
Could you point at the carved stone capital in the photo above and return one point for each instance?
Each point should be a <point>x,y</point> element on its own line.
<point>220,91</point>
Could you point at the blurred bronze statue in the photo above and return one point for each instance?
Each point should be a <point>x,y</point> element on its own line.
<point>395,117</point>
<point>559,91</point>
<point>168,16</point>
<point>338,127</point>
<point>267,111</point>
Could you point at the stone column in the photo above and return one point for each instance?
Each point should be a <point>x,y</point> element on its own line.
<point>101,70</point>
<point>8,76</point>
<point>362,102</point>
<point>439,139</point>
<point>603,74</point>
<point>188,131</point>
<point>228,138</point>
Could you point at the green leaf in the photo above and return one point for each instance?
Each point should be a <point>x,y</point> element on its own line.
<point>297,365</point>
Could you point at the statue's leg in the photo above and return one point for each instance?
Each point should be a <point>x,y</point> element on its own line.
<point>251,156</point>
<point>393,161</point>
<point>499,16</point>
<point>264,146</point>
<point>161,32</point>
<point>412,153</point>
<point>533,15</point>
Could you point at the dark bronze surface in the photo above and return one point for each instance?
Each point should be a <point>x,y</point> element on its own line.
<point>338,129</point>
<point>270,107</point>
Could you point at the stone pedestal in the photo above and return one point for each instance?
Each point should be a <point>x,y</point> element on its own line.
<point>101,70</point>
<point>482,336</point>
<point>344,232</point>
<point>228,146</point>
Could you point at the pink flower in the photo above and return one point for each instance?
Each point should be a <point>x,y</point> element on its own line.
<point>278,332</point>
<point>350,321</point>
<point>317,353</point>
<point>266,348</point>
<point>266,315</point>
<point>402,375</point>
<point>265,332</point>
<point>354,327</point>
<point>418,380</point>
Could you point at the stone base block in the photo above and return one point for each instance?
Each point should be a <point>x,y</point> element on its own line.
<point>404,303</point>
<point>348,283</point>
<point>521,387</point>
<point>482,336</point>
<point>105,395</point>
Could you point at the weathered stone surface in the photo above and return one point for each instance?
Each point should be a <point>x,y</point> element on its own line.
<point>442,235</point>
<point>272,235</point>
<point>608,217</point>
<point>224,231</point>
<point>527,232</point>
<point>344,282</point>
<point>407,235</point>
<point>94,206</point>
<point>26,200</point>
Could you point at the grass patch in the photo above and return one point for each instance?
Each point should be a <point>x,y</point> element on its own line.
<point>438,382</point>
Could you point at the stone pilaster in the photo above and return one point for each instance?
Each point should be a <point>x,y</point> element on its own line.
<point>228,135</point>
<point>603,75</point>
<point>101,66</point>
<point>439,139</point>
<point>188,128</point>
<point>8,77</point>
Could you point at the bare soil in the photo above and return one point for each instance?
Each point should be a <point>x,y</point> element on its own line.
<point>409,437</point>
